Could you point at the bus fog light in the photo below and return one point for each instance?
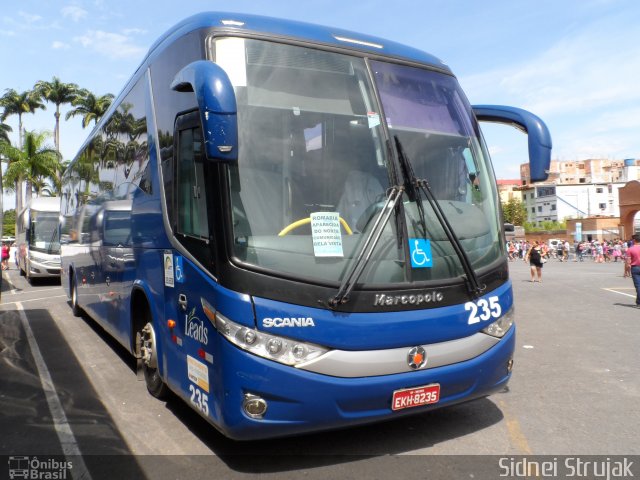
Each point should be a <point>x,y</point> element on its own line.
<point>254,406</point>
<point>510,365</point>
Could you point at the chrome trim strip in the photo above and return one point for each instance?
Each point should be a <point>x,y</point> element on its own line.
<point>369,363</point>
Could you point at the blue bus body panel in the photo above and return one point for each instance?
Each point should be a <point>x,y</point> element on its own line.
<point>197,362</point>
<point>369,331</point>
<point>309,33</point>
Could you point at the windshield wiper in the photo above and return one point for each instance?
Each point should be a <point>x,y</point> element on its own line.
<point>415,187</point>
<point>357,266</point>
<point>51,240</point>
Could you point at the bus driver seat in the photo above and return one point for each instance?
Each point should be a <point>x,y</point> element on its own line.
<point>361,187</point>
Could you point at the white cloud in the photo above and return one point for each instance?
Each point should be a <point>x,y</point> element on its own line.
<point>133,31</point>
<point>29,18</point>
<point>578,74</point>
<point>585,87</point>
<point>74,12</point>
<point>109,44</point>
<point>58,45</point>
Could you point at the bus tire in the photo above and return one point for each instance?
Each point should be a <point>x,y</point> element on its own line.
<point>75,308</point>
<point>30,279</point>
<point>155,384</point>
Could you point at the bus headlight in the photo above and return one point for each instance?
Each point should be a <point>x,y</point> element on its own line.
<point>500,327</point>
<point>273,347</point>
<point>37,258</point>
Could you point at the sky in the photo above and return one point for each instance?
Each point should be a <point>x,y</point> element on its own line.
<point>574,63</point>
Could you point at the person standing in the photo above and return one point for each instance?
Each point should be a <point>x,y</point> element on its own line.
<point>534,256</point>
<point>5,256</point>
<point>627,269</point>
<point>633,259</point>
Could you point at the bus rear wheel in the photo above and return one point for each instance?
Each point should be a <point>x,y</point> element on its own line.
<point>149,357</point>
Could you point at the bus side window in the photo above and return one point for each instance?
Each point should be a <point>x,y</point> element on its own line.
<point>191,192</point>
<point>191,217</point>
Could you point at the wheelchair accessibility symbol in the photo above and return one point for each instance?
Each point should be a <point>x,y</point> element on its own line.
<point>179,269</point>
<point>420,249</point>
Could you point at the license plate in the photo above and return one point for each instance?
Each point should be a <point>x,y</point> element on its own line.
<point>415,397</point>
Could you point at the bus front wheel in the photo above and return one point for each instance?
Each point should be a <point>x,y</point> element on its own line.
<point>75,308</point>
<point>149,357</point>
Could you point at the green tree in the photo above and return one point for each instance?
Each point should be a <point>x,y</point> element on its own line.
<point>58,93</point>
<point>9,223</point>
<point>90,107</point>
<point>514,212</point>
<point>34,160</point>
<point>4,132</point>
<point>15,103</point>
<point>4,138</point>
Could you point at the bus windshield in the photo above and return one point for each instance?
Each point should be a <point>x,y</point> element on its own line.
<point>43,234</point>
<point>314,168</point>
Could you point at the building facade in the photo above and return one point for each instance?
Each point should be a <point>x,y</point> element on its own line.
<point>582,172</point>
<point>577,189</point>
<point>509,190</point>
<point>558,202</point>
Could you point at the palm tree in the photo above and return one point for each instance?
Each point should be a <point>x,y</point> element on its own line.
<point>4,138</point>
<point>55,182</point>
<point>29,163</point>
<point>4,132</point>
<point>57,93</point>
<point>15,103</point>
<point>89,107</point>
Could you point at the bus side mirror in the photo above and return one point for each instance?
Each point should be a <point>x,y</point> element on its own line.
<point>539,136</point>
<point>217,104</point>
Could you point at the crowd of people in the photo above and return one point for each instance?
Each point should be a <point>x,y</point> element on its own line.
<point>536,253</point>
<point>599,252</point>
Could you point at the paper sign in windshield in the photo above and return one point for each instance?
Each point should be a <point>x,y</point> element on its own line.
<point>373,119</point>
<point>325,231</point>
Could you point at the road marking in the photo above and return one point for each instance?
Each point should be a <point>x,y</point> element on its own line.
<point>68,441</point>
<point>31,300</point>
<point>13,287</point>
<point>16,291</point>
<point>515,432</point>
<point>615,290</point>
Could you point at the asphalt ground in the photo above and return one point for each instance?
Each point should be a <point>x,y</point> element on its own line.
<point>69,392</point>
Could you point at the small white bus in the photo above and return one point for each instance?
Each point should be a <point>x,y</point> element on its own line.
<point>38,238</point>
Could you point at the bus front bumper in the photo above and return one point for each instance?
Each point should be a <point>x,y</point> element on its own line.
<point>43,269</point>
<point>298,401</point>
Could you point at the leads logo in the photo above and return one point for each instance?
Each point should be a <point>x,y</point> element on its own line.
<point>195,328</point>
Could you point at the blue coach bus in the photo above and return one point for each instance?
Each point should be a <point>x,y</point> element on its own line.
<point>295,228</point>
